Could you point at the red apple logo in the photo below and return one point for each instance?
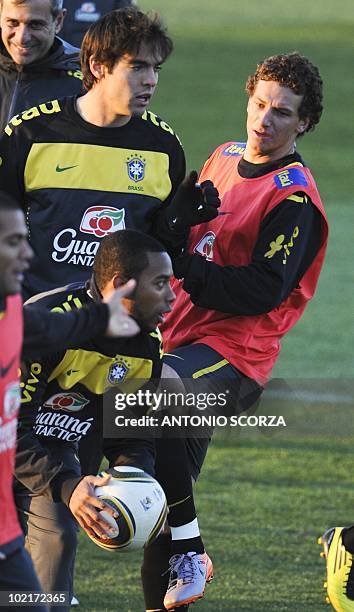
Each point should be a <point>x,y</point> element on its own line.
<point>102,220</point>
<point>70,402</point>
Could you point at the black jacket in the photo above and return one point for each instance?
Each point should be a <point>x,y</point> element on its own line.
<point>22,87</point>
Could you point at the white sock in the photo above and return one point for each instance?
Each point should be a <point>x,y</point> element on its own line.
<point>186,532</point>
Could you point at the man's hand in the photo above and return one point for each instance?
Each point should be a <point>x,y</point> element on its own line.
<point>193,203</point>
<point>85,506</point>
<point>120,322</point>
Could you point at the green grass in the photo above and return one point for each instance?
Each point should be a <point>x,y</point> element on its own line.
<point>263,498</point>
<point>320,345</point>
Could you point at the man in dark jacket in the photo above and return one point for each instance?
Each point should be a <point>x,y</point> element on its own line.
<point>80,15</point>
<point>35,65</point>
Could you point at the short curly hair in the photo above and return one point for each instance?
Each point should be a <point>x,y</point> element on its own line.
<point>119,32</point>
<point>300,75</point>
<point>124,252</point>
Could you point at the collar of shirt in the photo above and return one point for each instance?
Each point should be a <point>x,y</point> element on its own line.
<point>248,170</point>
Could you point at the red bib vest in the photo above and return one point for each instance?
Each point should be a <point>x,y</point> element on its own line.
<point>11,333</point>
<point>250,343</point>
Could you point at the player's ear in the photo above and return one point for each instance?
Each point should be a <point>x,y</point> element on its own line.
<point>59,20</point>
<point>302,126</point>
<point>116,281</point>
<point>97,68</point>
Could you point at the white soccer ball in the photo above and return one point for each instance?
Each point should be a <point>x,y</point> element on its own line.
<point>141,505</point>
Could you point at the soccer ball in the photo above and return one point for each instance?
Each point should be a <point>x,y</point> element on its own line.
<point>141,505</point>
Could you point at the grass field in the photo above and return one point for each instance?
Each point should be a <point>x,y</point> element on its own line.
<point>263,498</point>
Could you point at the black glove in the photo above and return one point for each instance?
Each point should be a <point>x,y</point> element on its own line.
<point>181,264</point>
<point>192,204</point>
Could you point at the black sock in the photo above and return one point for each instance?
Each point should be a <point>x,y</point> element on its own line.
<point>172,471</point>
<point>173,474</point>
<point>180,511</point>
<point>188,545</point>
<point>348,539</point>
<point>155,563</point>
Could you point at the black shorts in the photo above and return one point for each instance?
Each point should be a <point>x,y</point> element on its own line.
<point>201,366</point>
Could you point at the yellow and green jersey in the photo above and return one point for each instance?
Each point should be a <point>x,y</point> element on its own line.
<point>79,182</point>
<point>62,394</point>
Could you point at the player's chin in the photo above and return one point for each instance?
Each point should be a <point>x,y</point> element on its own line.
<point>151,324</point>
<point>145,325</point>
<point>138,112</point>
<point>23,59</point>
<point>138,108</point>
<point>13,287</point>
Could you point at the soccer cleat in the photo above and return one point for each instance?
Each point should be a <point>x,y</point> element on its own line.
<point>340,571</point>
<point>188,576</point>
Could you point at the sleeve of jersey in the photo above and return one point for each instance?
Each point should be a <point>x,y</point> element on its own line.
<point>160,229</point>
<point>177,168</point>
<point>34,467</point>
<point>45,331</point>
<point>34,380</point>
<point>12,161</point>
<point>288,240</point>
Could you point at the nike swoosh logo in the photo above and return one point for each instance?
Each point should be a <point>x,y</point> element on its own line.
<point>62,169</point>
<point>69,372</point>
<point>4,371</point>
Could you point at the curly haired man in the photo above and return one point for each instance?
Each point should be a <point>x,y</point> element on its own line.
<point>247,277</point>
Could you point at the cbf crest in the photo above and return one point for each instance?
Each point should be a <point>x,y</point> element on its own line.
<point>136,168</point>
<point>117,372</point>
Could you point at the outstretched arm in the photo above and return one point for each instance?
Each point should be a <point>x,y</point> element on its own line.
<point>44,330</point>
<point>288,241</point>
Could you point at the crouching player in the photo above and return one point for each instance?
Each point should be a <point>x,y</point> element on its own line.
<point>71,384</point>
